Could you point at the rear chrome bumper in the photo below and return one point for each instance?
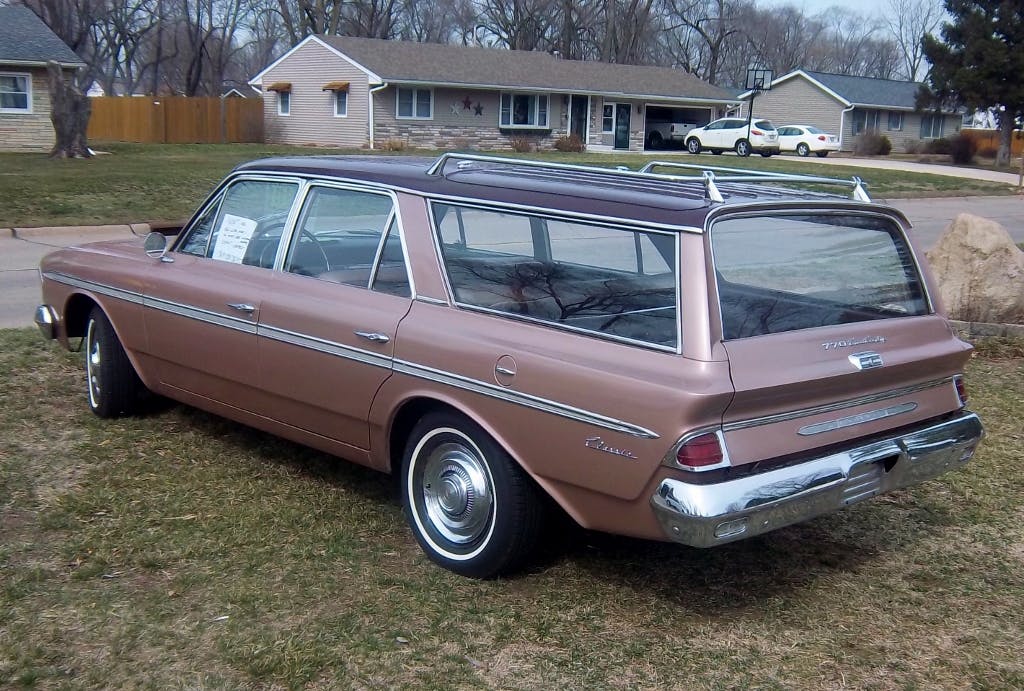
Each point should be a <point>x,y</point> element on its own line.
<point>709,515</point>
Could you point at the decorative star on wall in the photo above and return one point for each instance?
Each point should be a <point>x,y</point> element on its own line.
<point>467,103</point>
<point>478,110</point>
<point>456,111</point>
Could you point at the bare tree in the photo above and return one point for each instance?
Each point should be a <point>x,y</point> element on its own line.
<point>69,112</point>
<point>909,21</point>
<point>698,32</point>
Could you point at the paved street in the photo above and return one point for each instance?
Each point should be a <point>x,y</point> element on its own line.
<point>21,250</point>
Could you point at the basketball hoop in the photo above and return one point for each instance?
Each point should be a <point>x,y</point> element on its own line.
<point>759,79</point>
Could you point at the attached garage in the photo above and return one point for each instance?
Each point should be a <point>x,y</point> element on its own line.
<point>666,126</point>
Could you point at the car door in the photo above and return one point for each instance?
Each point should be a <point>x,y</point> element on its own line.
<point>327,328</point>
<point>202,301</point>
<point>788,138</point>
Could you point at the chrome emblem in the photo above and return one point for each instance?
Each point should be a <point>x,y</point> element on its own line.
<point>850,342</point>
<point>865,360</point>
<point>599,444</point>
<point>859,419</point>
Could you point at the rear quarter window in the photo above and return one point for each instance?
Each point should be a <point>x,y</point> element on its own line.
<point>788,272</point>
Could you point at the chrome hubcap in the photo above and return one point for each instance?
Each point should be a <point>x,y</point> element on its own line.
<point>457,496</point>
<point>93,358</point>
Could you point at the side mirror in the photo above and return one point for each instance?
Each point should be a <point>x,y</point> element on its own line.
<point>156,245</point>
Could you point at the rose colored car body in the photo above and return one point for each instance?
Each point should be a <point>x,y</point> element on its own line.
<point>689,359</point>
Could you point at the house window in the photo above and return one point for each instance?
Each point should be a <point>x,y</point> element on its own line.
<point>865,120</point>
<point>284,103</point>
<point>340,104</point>
<point>608,118</point>
<point>15,93</point>
<point>931,126</point>
<point>415,103</point>
<point>524,110</point>
<point>895,121</point>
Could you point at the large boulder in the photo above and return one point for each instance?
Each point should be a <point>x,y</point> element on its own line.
<point>980,272</point>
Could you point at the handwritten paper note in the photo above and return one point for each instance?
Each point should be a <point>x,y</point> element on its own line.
<point>233,238</point>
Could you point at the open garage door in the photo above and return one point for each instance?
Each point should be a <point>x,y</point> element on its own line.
<point>666,126</point>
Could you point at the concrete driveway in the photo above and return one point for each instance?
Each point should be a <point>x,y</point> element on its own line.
<point>21,250</point>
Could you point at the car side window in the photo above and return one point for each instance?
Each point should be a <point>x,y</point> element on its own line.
<point>244,224</point>
<point>339,236</point>
<point>197,239</point>
<point>391,275</point>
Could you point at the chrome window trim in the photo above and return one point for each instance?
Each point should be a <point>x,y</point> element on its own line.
<point>677,349</point>
<point>373,359</point>
<point>741,212</point>
<point>838,405</point>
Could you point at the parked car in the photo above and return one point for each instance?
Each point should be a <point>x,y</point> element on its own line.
<point>731,134</point>
<point>660,134</point>
<point>803,139</point>
<point>680,358</point>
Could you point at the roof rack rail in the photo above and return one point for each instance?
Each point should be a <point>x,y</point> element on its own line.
<point>709,176</point>
<point>465,160</point>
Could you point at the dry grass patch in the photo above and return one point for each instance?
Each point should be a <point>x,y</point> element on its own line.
<point>180,550</point>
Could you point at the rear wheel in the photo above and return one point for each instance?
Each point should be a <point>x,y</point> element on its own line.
<point>821,154</point>
<point>114,387</point>
<point>471,507</point>
<point>743,148</point>
<point>654,141</point>
<point>693,145</point>
<point>802,149</point>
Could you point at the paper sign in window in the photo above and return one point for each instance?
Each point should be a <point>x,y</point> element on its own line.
<point>233,238</point>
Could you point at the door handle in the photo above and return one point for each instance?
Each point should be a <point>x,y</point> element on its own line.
<point>505,370</point>
<point>242,307</point>
<point>373,336</point>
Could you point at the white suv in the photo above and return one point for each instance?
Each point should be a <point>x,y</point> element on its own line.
<point>730,134</point>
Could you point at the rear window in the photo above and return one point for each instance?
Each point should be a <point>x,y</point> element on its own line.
<point>765,125</point>
<point>789,272</point>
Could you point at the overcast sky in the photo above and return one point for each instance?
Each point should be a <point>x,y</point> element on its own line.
<point>870,7</point>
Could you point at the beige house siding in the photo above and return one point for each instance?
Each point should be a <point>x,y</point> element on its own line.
<point>312,119</point>
<point>908,133</point>
<point>798,102</point>
<point>453,126</point>
<point>29,131</point>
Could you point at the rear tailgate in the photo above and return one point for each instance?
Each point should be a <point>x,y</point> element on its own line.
<point>829,333</point>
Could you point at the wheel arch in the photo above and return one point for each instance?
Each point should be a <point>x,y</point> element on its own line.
<point>77,308</point>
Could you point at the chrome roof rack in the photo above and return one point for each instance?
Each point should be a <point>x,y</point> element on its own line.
<point>712,174</point>
<point>707,174</point>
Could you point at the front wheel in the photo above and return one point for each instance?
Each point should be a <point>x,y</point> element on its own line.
<point>471,507</point>
<point>743,148</point>
<point>803,150</point>
<point>693,145</point>
<point>655,141</point>
<point>114,387</point>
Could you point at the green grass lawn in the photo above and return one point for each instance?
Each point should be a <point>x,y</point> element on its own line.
<point>143,182</point>
<point>179,550</point>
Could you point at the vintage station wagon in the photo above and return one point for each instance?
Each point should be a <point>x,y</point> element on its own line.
<point>691,355</point>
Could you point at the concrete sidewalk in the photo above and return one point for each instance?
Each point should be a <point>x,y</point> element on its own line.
<point>914,167</point>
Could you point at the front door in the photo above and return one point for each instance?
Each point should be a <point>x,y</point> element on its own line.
<point>579,111</point>
<point>622,125</point>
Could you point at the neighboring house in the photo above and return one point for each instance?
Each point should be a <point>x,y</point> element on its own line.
<point>849,105</point>
<point>356,92</point>
<point>26,44</point>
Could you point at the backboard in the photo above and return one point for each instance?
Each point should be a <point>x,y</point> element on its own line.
<point>759,79</point>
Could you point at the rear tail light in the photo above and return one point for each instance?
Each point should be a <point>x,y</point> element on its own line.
<point>759,133</point>
<point>821,137</point>
<point>671,128</point>
<point>700,451</point>
<point>961,389</point>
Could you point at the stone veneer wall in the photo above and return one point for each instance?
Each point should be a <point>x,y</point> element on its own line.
<point>29,131</point>
<point>442,136</point>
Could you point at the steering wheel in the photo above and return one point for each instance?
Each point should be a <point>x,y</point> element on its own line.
<point>305,266</point>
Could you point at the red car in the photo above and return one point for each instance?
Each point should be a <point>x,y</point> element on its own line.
<point>664,355</point>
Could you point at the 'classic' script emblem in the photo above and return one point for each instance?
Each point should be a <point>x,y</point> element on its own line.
<point>850,342</point>
<point>599,444</point>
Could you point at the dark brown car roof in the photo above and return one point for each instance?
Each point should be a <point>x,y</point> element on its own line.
<point>646,199</point>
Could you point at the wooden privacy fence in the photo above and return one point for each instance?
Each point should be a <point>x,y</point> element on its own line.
<point>990,139</point>
<point>176,119</point>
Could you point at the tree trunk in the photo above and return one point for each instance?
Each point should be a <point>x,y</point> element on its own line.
<point>1005,138</point>
<point>69,112</point>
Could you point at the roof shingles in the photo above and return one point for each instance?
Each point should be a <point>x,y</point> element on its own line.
<point>867,91</point>
<point>433,63</point>
<point>25,39</point>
